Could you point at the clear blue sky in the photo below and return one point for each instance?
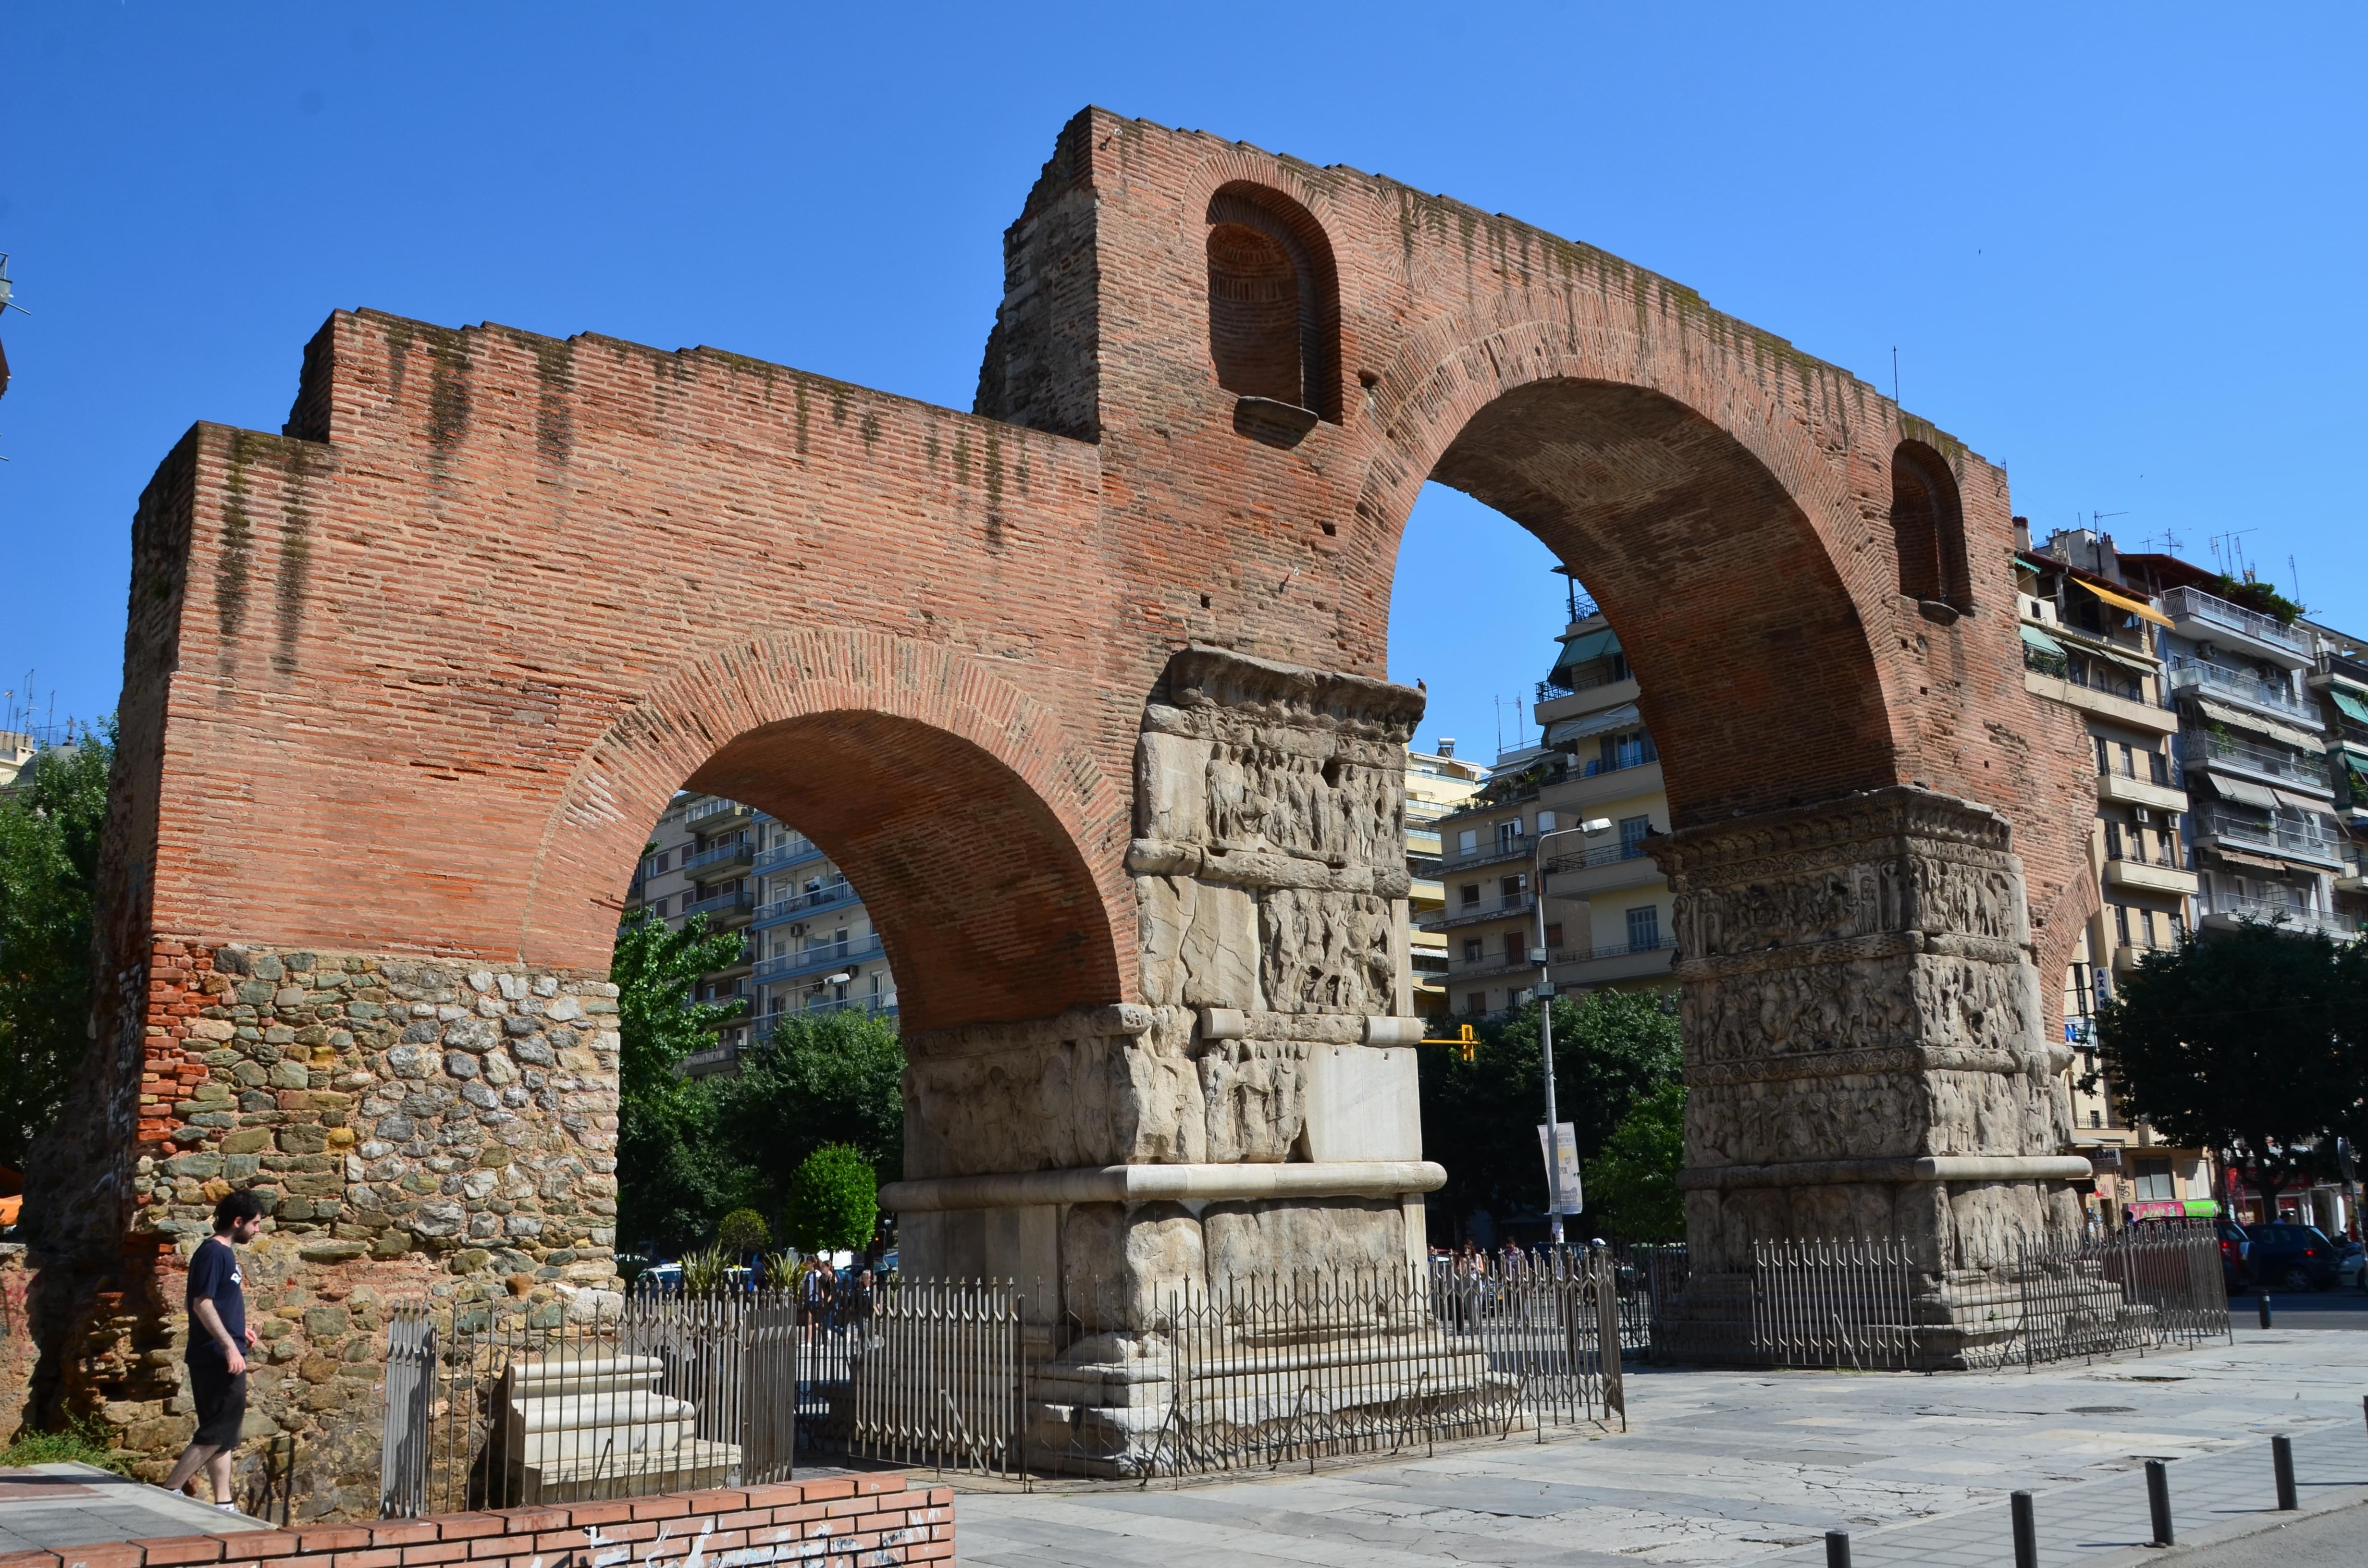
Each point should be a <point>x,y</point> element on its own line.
<point>2117,246</point>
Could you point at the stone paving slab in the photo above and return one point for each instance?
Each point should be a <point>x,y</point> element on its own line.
<point>80,1505</point>
<point>1722,1466</point>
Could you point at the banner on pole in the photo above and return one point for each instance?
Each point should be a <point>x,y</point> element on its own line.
<point>1565,1152</point>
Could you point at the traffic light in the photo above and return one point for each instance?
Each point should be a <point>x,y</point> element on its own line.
<point>1465,1041</point>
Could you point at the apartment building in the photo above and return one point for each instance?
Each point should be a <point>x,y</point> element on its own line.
<point>2247,816</point>
<point>1437,783</point>
<point>1607,920</point>
<point>809,946</point>
<point>2091,642</point>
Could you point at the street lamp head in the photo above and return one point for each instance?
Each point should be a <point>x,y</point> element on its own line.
<point>1596,824</point>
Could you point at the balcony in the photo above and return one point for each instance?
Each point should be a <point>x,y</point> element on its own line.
<point>782,856</point>
<point>1558,701</point>
<point>797,907</point>
<point>716,815</point>
<point>2057,681</point>
<point>2140,876</point>
<point>1608,867</point>
<point>813,959</point>
<point>725,909</point>
<point>1617,779</point>
<point>2122,790</point>
<point>881,1006</point>
<point>2267,763</point>
<point>2201,679</point>
<point>1496,908</point>
<point>2207,619</point>
<point>1621,960</point>
<point>2226,909</point>
<point>1489,853</point>
<point>718,860</point>
<point>2285,836</point>
<point>1495,966</point>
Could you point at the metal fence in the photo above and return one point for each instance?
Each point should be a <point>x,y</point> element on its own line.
<point>671,1393</point>
<point>1865,1303</point>
<point>961,1375</point>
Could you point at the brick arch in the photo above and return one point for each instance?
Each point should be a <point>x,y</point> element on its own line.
<point>986,841</point>
<point>1688,496</point>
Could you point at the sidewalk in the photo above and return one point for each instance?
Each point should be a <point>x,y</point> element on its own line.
<point>76,1504</point>
<point>1731,1467</point>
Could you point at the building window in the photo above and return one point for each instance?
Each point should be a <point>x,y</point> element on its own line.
<point>1634,831</point>
<point>2122,923</point>
<point>1545,823</point>
<point>2096,1119</point>
<point>1553,934</point>
<point>2129,761</point>
<point>1473,947</point>
<point>1468,841</point>
<point>1472,896</point>
<point>2151,1181</point>
<point>1643,929</point>
<point>665,858</point>
<point>1508,837</point>
<point>2113,841</point>
<point>1476,1003</point>
<point>1514,951</point>
<point>2159,766</point>
<point>2104,767</point>
<point>1512,889</point>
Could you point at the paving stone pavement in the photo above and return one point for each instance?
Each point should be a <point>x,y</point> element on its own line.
<point>77,1504</point>
<point>1722,1466</point>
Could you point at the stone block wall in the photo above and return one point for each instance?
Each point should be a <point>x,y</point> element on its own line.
<point>874,1520</point>
<point>418,1129</point>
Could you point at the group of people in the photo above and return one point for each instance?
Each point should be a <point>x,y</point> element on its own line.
<point>831,1303</point>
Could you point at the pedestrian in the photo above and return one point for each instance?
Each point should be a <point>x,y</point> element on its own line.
<point>219,1341</point>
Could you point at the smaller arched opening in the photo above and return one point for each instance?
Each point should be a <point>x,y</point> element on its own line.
<point>1274,302</point>
<point>1927,529</point>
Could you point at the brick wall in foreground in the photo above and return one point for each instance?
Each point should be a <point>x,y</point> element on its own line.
<point>858,1521</point>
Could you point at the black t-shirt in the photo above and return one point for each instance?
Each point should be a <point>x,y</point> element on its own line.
<point>213,1275</point>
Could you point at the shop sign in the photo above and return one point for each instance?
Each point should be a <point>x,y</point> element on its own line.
<point>2176,1209</point>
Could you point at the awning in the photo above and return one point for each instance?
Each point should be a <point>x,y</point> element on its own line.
<point>2041,640</point>
<point>1623,716</point>
<point>2250,862</point>
<point>2237,719</point>
<point>2353,708</point>
<point>2314,806</point>
<point>2136,664</point>
<point>2238,789</point>
<point>2138,607</point>
<point>1588,645</point>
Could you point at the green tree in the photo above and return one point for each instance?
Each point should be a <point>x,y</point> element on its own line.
<point>829,1078</point>
<point>1479,1118</point>
<point>52,820</point>
<point>673,1177</point>
<point>1632,1186</point>
<point>743,1232</point>
<point>2237,1042</point>
<point>833,1200</point>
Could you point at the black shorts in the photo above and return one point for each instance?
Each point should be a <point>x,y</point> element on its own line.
<point>222,1402</point>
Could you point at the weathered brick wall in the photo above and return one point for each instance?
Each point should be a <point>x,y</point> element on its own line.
<point>839,1522</point>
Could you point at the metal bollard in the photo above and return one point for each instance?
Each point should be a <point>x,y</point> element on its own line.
<point>2281,1456</point>
<point>2263,1298</point>
<point>2158,1501</point>
<point>2026,1533</point>
<point>1838,1549</point>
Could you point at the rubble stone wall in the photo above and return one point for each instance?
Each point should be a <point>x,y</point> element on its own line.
<point>417,1129</point>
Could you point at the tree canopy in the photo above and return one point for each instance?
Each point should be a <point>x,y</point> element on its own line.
<point>52,820</point>
<point>1632,1186</point>
<point>1613,1049</point>
<point>690,1152</point>
<point>2251,1042</point>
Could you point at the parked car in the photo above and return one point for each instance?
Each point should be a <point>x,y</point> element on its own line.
<point>2235,1247</point>
<point>2354,1269</point>
<point>2293,1257</point>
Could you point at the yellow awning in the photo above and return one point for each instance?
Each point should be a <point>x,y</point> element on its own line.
<point>2138,607</point>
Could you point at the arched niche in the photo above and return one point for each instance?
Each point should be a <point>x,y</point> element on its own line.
<point>1274,300</point>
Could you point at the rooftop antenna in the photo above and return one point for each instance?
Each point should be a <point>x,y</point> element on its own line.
<point>1895,375</point>
<point>2295,573</point>
<point>1500,724</point>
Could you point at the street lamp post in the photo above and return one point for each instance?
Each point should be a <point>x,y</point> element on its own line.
<point>1542,957</point>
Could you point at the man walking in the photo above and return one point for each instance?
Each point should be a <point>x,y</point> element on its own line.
<point>219,1341</point>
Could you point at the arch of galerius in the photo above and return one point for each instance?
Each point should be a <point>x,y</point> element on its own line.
<point>1086,687</point>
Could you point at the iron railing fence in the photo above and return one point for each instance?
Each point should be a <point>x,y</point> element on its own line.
<point>1864,1304</point>
<point>1325,1364</point>
<point>669,1393</point>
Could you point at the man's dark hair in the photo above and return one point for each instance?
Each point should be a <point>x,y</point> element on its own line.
<point>237,1206</point>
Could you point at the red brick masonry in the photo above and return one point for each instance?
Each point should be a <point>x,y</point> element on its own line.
<point>861,1520</point>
